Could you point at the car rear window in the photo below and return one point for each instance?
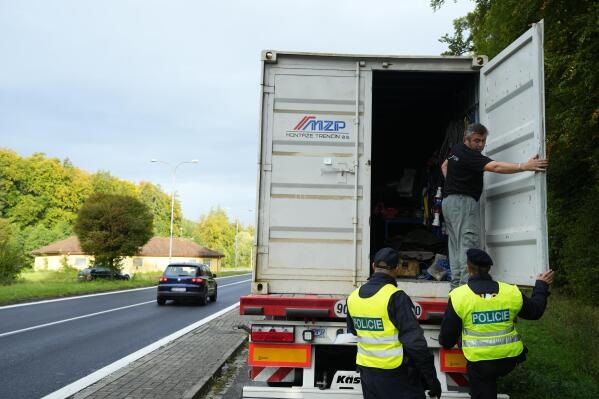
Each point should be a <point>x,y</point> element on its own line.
<point>180,271</point>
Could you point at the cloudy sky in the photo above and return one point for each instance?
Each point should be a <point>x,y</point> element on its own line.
<point>112,84</point>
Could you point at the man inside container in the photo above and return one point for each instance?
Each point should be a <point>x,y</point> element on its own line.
<point>392,355</point>
<point>463,171</point>
<point>483,313</point>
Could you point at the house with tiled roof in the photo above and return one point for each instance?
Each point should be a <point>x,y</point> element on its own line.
<point>152,257</point>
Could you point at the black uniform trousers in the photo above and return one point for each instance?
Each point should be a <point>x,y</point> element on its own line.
<point>483,376</point>
<point>399,383</point>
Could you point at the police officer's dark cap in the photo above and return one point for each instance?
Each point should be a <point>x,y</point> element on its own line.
<point>386,258</point>
<point>479,257</point>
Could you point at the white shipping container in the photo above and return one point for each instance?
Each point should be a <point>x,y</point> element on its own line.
<point>332,126</point>
<point>337,132</point>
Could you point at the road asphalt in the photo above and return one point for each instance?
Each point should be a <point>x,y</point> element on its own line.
<point>183,368</point>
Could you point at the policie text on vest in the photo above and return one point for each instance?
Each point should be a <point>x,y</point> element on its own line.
<point>368,323</point>
<point>490,316</point>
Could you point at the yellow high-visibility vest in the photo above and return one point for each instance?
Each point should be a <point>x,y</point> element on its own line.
<point>378,343</point>
<point>488,330</point>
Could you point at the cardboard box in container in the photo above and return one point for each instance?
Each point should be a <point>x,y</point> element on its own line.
<point>409,268</point>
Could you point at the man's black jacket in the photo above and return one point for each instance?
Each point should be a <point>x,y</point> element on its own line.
<point>401,314</point>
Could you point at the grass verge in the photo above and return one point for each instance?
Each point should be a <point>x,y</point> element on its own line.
<point>563,357</point>
<point>36,285</point>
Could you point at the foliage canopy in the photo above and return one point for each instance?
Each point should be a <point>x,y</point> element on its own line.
<point>234,240</point>
<point>41,196</point>
<point>12,259</point>
<point>111,227</point>
<point>572,117</point>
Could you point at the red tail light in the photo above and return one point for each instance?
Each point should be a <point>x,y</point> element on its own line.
<point>197,280</point>
<point>265,333</point>
<point>163,279</point>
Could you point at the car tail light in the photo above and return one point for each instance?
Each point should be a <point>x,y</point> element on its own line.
<point>266,333</point>
<point>197,280</point>
<point>163,279</point>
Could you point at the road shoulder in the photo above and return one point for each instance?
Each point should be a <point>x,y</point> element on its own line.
<point>182,368</point>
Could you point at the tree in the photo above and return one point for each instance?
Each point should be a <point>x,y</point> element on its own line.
<point>104,182</point>
<point>458,44</point>
<point>111,227</point>
<point>33,237</point>
<point>159,204</point>
<point>12,258</point>
<point>11,173</point>
<point>39,190</point>
<point>214,231</point>
<point>572,118</point>
<point>41,196</point>
<point>233,239</point>
<point>245,242</point>
<point>188,228</point>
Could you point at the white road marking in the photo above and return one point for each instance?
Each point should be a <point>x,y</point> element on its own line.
<point>97,375</point>
<point>71,319</point>
<point>94,314</point>
<point>92,295</point>
<point>73,297</point>
<point>235,283</point>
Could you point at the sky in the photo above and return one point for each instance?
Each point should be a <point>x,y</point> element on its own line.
<point>112,84</point>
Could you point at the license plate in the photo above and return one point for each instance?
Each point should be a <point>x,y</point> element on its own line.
<point>319,332</point>
<point>178,289</point>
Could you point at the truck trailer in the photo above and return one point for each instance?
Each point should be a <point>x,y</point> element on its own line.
<point>349,152</point>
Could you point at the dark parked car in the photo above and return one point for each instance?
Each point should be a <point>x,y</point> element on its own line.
<point>93,273</point>
<point>187,281</point>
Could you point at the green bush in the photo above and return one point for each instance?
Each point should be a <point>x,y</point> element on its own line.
<point>563,350</point>
<point>12,259</point>
<point>11,263</point>
<point>579,254</point>
<point>66,268</point>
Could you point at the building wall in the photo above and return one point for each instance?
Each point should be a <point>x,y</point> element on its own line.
<point>148,263</point>
<point>55,262</point>
<point>131,265</point>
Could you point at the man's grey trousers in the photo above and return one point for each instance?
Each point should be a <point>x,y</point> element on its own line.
<point>462,223</point>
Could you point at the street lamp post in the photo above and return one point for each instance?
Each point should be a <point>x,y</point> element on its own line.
<point>173,173</point>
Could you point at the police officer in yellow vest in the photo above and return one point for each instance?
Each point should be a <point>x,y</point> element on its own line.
<point>483,312</point>
<point>393,358</point>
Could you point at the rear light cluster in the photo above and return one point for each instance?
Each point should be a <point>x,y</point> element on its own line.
<point>163,279</point>
<point>197,280</point>
<point>267,333</point>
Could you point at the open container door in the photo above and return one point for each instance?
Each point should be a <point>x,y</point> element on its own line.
<point>514,206</point>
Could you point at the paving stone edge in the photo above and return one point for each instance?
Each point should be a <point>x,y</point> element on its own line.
<point>205,383</point>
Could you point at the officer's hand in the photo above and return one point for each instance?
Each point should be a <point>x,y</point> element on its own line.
<point>434,388</point>
<point>546,277</point>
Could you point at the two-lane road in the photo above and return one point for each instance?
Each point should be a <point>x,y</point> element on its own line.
<point>47,345</point>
